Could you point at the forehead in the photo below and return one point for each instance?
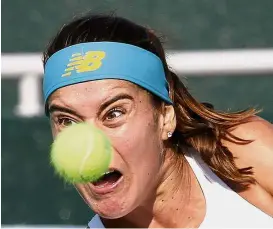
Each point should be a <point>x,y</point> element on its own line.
<point>95,91</point>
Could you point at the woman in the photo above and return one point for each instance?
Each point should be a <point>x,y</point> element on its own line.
<point>177,162</point>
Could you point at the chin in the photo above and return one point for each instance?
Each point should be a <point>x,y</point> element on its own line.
<point>112,196</point>
<point>110,202</point>
<point>113,207</point>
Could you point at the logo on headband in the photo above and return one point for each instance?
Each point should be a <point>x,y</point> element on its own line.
<point>90,61</point>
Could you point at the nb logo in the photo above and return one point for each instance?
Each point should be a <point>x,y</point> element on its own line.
<point>90,61</point>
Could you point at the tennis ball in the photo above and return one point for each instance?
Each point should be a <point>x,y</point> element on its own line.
<point>81,153</point>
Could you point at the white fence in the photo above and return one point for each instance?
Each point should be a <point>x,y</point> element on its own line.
<point>28,69</point>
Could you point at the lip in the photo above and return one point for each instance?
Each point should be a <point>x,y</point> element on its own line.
<point>105,190</point>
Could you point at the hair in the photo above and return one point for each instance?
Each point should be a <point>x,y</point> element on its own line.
<point>199,126</point>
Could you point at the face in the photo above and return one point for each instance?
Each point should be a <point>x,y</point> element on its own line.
<point>127,116</point>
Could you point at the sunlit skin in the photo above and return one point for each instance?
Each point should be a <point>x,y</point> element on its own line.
<point>152,192</point>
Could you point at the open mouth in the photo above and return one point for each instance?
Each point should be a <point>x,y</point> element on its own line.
<point>108,181</point>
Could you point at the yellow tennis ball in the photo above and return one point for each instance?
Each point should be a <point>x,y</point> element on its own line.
<point>81,153</point>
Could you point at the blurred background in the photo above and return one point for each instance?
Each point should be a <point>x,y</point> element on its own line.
<point>31,194</point>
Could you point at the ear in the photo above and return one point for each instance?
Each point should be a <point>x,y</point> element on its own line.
<point>169,121</point>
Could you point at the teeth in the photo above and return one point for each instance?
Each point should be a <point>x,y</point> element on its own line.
<point>101,186</point>
<point>110,171</point>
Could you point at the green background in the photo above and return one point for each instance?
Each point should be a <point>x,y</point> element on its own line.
<point>31,194</point>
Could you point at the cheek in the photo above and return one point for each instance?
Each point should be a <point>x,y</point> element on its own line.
<point>138,145</point>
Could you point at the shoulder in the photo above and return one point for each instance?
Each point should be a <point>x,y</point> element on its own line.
<point>254,129</point>
<point>257,154</point>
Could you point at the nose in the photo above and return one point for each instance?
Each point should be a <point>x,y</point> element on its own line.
<point>96,124</point>
<point>94,121</point>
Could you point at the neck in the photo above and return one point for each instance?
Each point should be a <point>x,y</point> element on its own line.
<point>177,202</point>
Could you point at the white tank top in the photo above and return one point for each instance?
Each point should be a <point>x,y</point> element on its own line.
<point>224,207</point>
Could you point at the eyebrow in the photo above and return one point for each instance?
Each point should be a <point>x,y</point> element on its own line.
<point>55,107</point>
<point>114,99</point>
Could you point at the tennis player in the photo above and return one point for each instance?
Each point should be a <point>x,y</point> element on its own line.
<point>177,162</point>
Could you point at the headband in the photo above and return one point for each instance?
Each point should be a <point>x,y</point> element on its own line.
<point>105,60</point>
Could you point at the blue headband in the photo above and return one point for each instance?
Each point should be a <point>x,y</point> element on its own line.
<point>105,60</point>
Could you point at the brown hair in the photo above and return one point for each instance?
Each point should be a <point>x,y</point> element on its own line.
<point>198,125</point>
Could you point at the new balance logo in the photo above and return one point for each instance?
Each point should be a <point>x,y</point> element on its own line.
<point>90,61</point>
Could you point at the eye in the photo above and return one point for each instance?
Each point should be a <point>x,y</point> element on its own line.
<point>65,121</point>
<point>114,113</point>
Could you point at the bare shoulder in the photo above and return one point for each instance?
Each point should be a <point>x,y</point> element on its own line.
<point>258,153</point>
<point>255,128</point>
